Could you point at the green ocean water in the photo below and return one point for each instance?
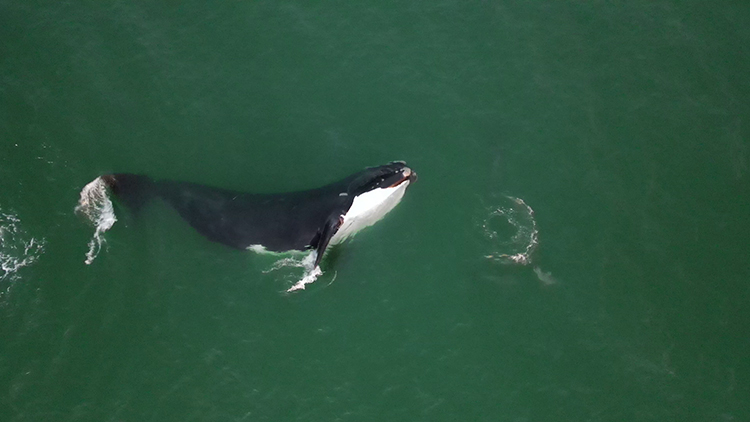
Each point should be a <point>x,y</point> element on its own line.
<point>624,125</point>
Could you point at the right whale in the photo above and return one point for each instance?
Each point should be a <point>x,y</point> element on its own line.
<point>303,220</point>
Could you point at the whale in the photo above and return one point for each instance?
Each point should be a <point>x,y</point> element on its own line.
<point>307,220</point>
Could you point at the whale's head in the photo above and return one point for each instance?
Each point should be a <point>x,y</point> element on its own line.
<point>388,176</point>
<point>375,192</point>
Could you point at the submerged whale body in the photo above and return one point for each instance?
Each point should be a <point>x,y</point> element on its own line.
<point>303,220</point>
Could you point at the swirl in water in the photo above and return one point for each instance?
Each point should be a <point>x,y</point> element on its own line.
<point>520,247</point>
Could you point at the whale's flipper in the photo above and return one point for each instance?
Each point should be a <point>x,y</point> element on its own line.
<point>329,230</point>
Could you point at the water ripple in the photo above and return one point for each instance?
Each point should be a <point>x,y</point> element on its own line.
<point>18,249</point>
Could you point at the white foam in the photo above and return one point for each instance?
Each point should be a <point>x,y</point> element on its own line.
<point>306,262</point>
<point>309,277</point>
<point>96,206</point>
<point>523,243</point>
<point>259,249</point>
<point>17,248</point>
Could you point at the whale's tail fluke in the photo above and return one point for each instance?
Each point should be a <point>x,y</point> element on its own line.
<point>95,206</point>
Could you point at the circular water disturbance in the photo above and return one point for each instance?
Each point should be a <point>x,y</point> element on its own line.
<point>512,231</point>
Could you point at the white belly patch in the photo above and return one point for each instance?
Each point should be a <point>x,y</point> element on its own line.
<point>368,208</point>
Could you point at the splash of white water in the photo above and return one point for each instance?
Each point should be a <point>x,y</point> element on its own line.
<point>96,206</point>
<point>307,278</point>
<point>311,271</point>
<point>524,241</point>
<point>17,248</point>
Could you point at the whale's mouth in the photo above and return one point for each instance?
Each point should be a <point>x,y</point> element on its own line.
<point>406,174</point>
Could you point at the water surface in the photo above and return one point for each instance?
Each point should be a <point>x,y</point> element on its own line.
<point>623,125</point>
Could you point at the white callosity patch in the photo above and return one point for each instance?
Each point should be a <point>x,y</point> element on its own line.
<point>367,209</point>
<point>17,248</point>
<point>96,206</point>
